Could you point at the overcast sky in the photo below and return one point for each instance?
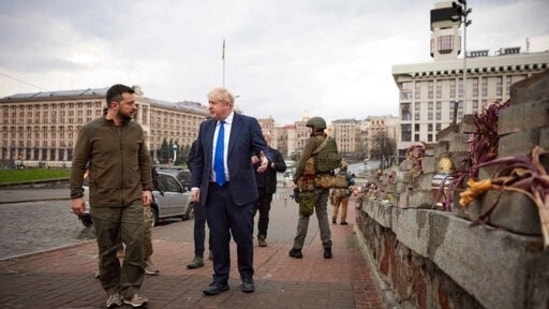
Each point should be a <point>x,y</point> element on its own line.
<point>329,58</point>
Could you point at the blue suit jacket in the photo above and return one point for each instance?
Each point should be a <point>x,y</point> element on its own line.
<point>246,139</point>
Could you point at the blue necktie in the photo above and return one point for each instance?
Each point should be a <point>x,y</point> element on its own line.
<point>218,159</point>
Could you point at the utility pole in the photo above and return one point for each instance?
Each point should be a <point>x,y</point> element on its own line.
<point>462,16</point>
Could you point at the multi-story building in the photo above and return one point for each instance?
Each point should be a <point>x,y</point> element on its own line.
<point>381,127</point>
<point>268,125</point>
<point>430,92</point>
<point>44,126</point>
<point>346,133</point>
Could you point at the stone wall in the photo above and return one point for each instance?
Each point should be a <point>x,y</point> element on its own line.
<point>435,255</point>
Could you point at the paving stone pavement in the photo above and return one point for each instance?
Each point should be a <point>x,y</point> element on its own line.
<point>62,278</point>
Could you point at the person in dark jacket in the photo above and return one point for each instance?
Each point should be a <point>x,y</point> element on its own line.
<point>199,231</point>
<point>266,187</point>
<point>223,181</point>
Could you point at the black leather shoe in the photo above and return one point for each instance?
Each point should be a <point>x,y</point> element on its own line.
<point>296,253</point>
<point>327,253</point>
<point>248,286</point>
<point>214,289</point>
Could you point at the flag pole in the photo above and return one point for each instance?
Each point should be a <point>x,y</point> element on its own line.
<point>223,58</point>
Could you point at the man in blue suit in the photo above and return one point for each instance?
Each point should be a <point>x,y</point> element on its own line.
<point>223,181</point>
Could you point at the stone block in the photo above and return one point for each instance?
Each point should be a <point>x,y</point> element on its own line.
<point>514,212</point>
<point>404,199</point>
<point>446,133</point>
<point>488,171</point>
<point>467,124</point>
<point>536,114</point>
<point>490,264</point>
<point>423,181</point>
<point>458,142</point>
<point>524,116</point>
<point>461,160</point>
<point>429,164</point>
<point>544,138</point>
<point>412,229</point>
<point>429,150</point>
<point>404,176</point>
<point>420,199</point>
<point>518,143</point>
<point>457,210</point>
<point>406,165</point>
<point>381,213</point>
<point>509,119</point>
<point>403,187</point>
<point>535,88</point>
<point>441,148</point>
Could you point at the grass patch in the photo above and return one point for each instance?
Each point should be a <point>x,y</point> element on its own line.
<point>31,174</point>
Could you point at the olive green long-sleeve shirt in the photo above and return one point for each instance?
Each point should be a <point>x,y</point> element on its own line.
<point>118,162</point>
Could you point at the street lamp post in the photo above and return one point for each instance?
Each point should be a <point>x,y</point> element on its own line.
<point>462,16</point>
<point>175,147</point>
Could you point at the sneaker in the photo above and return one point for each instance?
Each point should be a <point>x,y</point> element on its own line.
<point>344,223</point>
<point>296,253</point>
<point>327,253</point>
<point>137,300</point>
<point>96,274</point>
<point>150,268</point>
<point>114,300</point>
<point>196,263</point>
<point>261,241</point>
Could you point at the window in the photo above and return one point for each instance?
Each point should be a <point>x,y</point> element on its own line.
<point>475,87</point>
<point>499,86</point>
<point>452,88</point>
<point>475,106</point>
<point>404,111</point>
<point>406,92</point>
<point>439,89</point>
<point>406,132</point>
<point>445,44</point>
<point>417,95</point>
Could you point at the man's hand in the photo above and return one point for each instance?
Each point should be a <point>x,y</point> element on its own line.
<point>195,195</point>
<point>264,162</point>
<point>78,206</point>
<point>255,160</point>
<point>146,196</point>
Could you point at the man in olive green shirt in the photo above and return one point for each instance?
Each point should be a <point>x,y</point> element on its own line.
<point>113,148</point>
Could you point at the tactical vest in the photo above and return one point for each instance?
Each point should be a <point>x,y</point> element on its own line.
<point>328,158</point>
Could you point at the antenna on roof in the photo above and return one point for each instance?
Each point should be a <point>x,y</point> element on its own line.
<point>527,45</point>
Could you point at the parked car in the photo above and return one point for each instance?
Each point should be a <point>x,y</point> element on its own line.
<point>182,174</point>
<point>170,200</point>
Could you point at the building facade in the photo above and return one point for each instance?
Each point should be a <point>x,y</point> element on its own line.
<point>432,94</point>
<point>44,126</point>
<point>346,133</point>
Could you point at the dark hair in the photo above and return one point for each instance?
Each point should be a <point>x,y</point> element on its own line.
<point>115,93</point>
